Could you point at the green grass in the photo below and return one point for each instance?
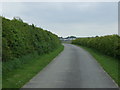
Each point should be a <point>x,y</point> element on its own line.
<point>18,77</point>
<point>109,64</point>
<point>0,74</point>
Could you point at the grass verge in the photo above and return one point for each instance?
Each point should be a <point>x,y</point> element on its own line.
<point>18,77</point>
<point>109,64</point>
<point>0,74</point>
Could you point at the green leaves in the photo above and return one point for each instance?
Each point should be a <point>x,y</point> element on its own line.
<point>109,45</point>
<point>20,39</point>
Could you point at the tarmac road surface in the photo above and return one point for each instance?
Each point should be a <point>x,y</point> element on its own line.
<point>73,68</point>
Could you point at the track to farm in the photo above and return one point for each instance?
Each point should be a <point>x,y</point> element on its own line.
<point>73,68</point>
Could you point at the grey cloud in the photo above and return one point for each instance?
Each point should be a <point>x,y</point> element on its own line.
<point>84,19</point>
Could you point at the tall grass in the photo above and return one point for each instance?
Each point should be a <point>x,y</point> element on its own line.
<point>22,72</point>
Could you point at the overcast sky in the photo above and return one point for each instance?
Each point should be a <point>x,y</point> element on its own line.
<point>67,18</point>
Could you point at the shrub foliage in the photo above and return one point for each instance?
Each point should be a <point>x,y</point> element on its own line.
<point>109,45</point>
<point>19,39</point>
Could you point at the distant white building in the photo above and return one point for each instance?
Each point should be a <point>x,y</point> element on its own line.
<point>68,38</point>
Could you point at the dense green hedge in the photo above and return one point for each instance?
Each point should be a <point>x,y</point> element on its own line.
<point>19,39</point>
<point>109,45</point>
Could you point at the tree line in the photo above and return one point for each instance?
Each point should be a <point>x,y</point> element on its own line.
<point>109,44</point>
<point>20,38</point>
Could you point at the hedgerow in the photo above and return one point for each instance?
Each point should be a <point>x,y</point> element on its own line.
<point>20,38</point>
<point>109,45</point>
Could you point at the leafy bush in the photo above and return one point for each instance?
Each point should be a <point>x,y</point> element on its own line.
<point>19,39</point>
<point>109,45</point>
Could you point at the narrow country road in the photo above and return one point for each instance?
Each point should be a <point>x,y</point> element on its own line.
<point>73,68</point>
